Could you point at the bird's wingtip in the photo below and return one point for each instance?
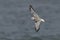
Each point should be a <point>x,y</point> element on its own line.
<point>37,29</point>
<point>30,6</point>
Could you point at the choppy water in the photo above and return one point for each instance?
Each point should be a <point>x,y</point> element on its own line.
<point>15,22</point>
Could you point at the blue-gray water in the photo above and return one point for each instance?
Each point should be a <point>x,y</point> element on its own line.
<point>16,23</point>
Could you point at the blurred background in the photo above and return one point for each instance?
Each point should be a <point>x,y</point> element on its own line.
<point>16,23</point>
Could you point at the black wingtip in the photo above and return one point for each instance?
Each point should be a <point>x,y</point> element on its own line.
<point>30,6</point>
<point>37,29</point>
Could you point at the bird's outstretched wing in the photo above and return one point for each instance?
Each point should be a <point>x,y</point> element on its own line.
<point>33,11</point>
<point>37,26</point>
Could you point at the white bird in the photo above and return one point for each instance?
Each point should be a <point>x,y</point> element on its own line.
<point>35,18</point>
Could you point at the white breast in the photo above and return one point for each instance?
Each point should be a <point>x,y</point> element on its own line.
<point>32,18</point>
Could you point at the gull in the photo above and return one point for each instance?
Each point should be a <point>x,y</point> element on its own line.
<point>35,18</point>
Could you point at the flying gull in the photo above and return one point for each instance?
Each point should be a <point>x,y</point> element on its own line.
<point>35,18</point>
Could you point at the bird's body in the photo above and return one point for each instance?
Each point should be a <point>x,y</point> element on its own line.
<point>35,18</point>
